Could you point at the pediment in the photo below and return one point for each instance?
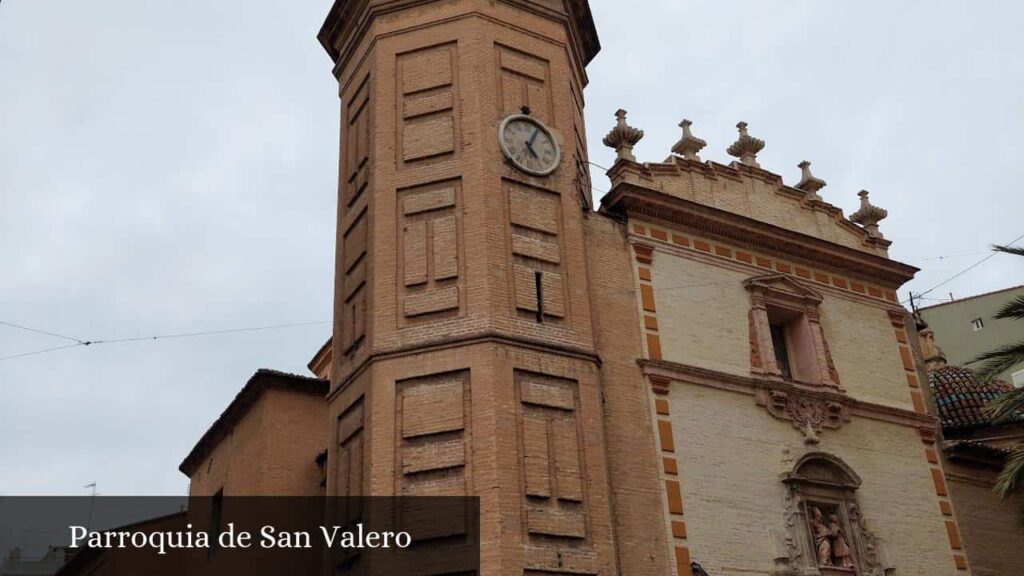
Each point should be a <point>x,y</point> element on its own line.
<point>751,193</point>
<point>782,286</point>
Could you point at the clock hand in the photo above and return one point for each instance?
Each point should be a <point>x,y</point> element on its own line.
<point>529,143</point>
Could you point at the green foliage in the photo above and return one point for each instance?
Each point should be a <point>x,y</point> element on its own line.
<point>1014,309</point>
<point>1011,479</point>
<point>998,360</point>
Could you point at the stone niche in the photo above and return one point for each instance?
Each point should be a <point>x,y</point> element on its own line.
<point>825,533</point>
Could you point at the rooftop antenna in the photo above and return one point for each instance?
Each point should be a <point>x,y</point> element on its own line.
<point>92,503</point>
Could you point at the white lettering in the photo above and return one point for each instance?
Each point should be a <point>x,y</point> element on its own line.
<point>78,533</point>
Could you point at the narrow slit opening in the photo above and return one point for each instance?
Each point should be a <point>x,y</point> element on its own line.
<point>539,285</point>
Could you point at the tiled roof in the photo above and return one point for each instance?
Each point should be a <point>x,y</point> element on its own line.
<point>980,446</point>
<point>961,398</point>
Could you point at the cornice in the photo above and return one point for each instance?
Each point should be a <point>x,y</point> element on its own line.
<point>485,337</point>
<point>633,200</point>
<point>665,369</point>
<point>658,246</point>
<point>349,20</point>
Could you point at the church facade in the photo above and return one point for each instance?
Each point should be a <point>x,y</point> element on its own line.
<point>708,371</point>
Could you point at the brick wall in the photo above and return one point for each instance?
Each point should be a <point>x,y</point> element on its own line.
<point>270,451</point>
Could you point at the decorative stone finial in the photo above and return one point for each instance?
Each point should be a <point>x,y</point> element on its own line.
<point>746,147</point>
<point>868,216</point>
<point>623,137</point>
<point>934,358</point>
<point>688,145</point>
<point>808,182</point>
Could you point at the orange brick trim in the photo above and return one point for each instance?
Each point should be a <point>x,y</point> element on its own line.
<point>670,467</point>
<point>648,307</point>
<point>898,318</point>
<point>653,346</point>
<point>679,529</point>
<point>665,436</point>
<point>940,482</point>
<point>675,496</point>
<point>707,246</point>
<point>683,561</point>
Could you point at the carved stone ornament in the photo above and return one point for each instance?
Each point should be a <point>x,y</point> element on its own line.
<point>868,216</point>
<point>808,413</point>
<point>623,137</point>
<point>809,182</point>
<point>689,145</point>
<point>875,558</point>
<point>746,147</point>
<point>779,291</point>
<point>824,533</point>
<point>934,357</point>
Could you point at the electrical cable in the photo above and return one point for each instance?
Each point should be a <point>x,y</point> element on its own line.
<point>160,337</point>
<point>968,269</point>
<point>38,331</point>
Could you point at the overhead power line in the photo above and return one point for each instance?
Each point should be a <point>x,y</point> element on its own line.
<point>43,351</point>
<point>968,269</point>
<point>76,342</point>
<point>155,337</point>
<point>38,331</point>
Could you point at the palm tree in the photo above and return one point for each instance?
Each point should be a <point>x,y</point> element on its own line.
<point>1009,405</point>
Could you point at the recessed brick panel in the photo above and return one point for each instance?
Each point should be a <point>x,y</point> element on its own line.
<point>524,80</point>
<point>431,406</point>
<point>431,426</point>
<point>537,248</point>
<point>533,209</point>
<point>426,110</point>
<point>431,301</point>
<point>430,248</point>
<point>552,460</point>
<point>428,199</point>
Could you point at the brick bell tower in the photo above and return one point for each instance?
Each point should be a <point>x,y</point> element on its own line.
<point>464,358</point>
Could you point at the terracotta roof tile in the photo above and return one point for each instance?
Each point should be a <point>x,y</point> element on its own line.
<point>961,398</point>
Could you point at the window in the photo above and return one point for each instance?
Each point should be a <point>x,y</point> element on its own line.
<point>792,343</point>
<point>781,350</point>
<point>1018,378</point>
<point>786,337</point>
<point>977,324</point>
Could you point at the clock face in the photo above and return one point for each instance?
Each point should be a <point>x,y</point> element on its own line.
<point>529,145</point>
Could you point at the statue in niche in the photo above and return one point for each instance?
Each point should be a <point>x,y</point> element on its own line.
<point>842,555</point>
<point>822,538</point>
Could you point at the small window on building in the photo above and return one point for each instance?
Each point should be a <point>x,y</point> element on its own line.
<point>791,344</point>
<point>977,324</point>
<point>785,316</point>
<point>1018,378</point>
<point>781,350</point>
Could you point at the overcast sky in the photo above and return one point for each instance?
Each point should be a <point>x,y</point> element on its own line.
<point>171,167</point>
